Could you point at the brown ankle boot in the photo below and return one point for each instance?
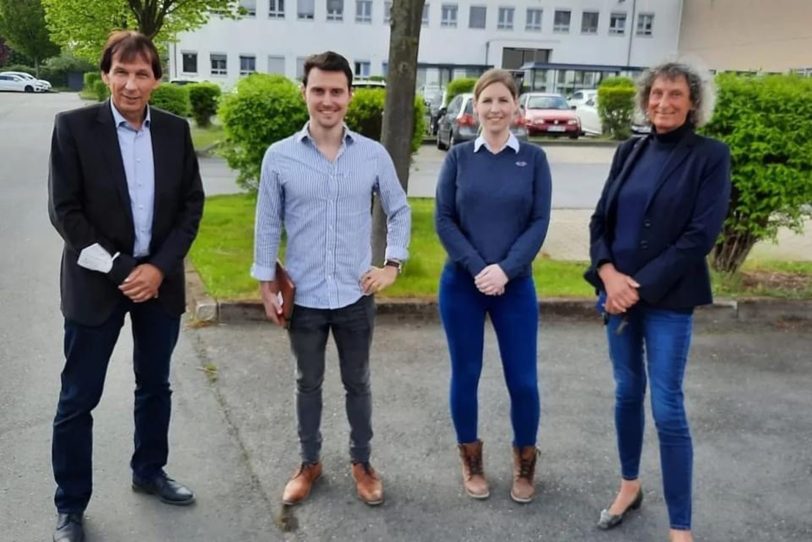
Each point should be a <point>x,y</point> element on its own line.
<point>367,483</point>
<point>473,473</point>
<point>298,487</point>
<point>524,470</point>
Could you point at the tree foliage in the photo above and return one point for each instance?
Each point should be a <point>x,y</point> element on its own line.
<point>22,24</point>
<point>767,123</point>
<point>84,25</point>
<point>616,106</point>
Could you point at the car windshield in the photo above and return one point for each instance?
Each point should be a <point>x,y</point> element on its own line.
<point>547,102</point>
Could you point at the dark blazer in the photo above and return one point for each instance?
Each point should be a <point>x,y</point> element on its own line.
<point>88,202</point>
<point>681,221</point>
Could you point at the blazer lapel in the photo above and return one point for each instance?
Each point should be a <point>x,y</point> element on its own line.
<point>678,156</point>
<point>107,139</point>
<point>161,157</point>
<point>628,164</point>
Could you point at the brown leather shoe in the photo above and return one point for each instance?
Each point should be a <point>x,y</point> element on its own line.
<point>367,483</point>
<point>473,474</point>
<point>298,487</point>
<point>524,470</point>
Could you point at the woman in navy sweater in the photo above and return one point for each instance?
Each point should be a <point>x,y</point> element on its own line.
<point>658,217</point>
<point>492,213</point>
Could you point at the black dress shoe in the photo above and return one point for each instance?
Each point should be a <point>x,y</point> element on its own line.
<point>69,528</point>
<point>167,489</point>
<point>609,521</point>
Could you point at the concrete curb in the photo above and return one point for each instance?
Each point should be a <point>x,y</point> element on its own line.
<point>206,309</point>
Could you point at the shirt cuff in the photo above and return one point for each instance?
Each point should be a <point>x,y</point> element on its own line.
<point>265,274</point>
<point>400,254</point>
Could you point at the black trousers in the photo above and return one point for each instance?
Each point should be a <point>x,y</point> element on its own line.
<point>87,354</point>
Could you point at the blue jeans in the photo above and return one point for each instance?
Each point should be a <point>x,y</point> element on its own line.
<point>665,337</point>
<point>515,319</point>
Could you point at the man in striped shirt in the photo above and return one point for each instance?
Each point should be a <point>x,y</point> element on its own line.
<point>318,185</point>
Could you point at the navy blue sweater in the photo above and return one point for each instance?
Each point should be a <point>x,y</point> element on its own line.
<point>493,208</point>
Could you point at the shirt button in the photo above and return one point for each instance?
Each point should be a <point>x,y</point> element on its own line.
<point>647,223</point>
<point>644,244</point>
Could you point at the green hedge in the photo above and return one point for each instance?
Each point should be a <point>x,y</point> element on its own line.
<point>90,79</point>
<point>260,110</point>
<point>767,123</point>
<point>459,86</point>
<point>100,90</point>
<point>365,115</point>
<point>616,106</point>
<point>203,98</point>
<point>172,98</point>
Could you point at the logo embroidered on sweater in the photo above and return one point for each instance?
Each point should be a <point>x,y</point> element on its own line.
<point>521,163</point>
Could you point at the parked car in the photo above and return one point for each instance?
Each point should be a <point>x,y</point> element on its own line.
<point>591,122</point>
<point>435,97</point>
<point>458,123</point>
<point>549,114</point>
<point>580,97</point>
<point>40,85</point>
<point>15,83</point>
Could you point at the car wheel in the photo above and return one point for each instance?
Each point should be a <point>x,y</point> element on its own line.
<point>574,136</point>
<point>29,88</point>
<point>440,142</point>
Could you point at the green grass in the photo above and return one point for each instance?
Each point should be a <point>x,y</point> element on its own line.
<point>223,253</point>
<point>203,138</point>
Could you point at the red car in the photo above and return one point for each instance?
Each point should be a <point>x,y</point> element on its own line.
<point>549,114</point>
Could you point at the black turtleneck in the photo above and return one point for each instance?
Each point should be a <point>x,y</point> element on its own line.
<point>635,193</point>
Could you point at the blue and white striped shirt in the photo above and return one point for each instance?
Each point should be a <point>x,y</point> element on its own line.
<point>325,209</point>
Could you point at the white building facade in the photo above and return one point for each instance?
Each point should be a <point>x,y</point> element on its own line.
<point>568,43</point>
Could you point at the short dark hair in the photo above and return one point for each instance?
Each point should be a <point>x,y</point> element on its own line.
<point>330,62</point>
<point>129,45</point>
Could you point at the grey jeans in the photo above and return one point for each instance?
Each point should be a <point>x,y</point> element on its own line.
<point>352,331</point>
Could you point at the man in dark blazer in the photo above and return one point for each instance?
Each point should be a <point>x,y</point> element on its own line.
<point>125,194</point>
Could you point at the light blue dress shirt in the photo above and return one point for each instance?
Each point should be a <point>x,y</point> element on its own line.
<point>139,168</point>
<point>325,210</point>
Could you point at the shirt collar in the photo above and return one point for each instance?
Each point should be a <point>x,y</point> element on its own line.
<point>512,142</point>
<point>304,134</point>
<point>119,118</point>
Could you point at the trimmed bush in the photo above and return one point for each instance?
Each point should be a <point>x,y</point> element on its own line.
<point>203,98</point>
<point>616,106</point>
<point>365,115</point>
<point>459,86</point>
<point>767,123</point>
<point>172,98</point>
<point>90,79</point>
<point>55,70</point>
<point>100,90</point>
<point>260,110</point>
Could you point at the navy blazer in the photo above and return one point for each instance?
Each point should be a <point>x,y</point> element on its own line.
<point>89,202</point>
<point>681,221</point>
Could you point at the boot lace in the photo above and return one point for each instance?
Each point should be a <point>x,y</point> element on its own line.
<point>527,466</point>
<point>474,463</point>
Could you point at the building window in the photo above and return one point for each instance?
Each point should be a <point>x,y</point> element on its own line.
<point>561,21</point>
<point>533,20</point>
<point>363,11</point>
<point>276,9</point>
<point>305,9</point>
<point>300,62</point>
<point>248,64</point>
<point>448,15</point>
<point>276,64</point>
<point>617,24</point>
<point>190,62</point>
<point>248,8</point>
<point>425,21</point>
<point>645,24</point>
<point>362,68</point>
<point>477,16</point>
<point>385,69</point>
<point>589,22</point>
<point>505,19</point>
<point>219,64</point>
<point>387,12</point>
<point>335,10</point>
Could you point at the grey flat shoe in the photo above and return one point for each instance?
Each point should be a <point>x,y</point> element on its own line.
<point>609,521</point>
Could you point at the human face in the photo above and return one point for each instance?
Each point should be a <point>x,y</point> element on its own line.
<point>131,84</point>
<point>495,108</point>
<point>669,103</point>
<point>327,95</point>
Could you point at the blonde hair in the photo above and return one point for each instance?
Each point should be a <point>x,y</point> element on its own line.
<point>492,76</point>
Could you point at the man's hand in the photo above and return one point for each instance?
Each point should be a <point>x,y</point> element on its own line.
<point>270,299</point>
<point>378,278</point>
<point>142,283</point>
<point>491,280</point>
<point>621,289</point>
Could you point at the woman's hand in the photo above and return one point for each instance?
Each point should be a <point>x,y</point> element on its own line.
<point>491,280</point>
<point>621,289</point>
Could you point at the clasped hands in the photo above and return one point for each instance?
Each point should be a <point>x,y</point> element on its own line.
<point>491,280</point>
<point>142,283</point>
<point>621,289</point>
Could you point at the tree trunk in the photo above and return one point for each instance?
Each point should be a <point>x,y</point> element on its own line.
<point>398,118</point>
<point>729,254</point>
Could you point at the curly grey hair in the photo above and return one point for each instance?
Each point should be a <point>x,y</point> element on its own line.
<point>700,85</point>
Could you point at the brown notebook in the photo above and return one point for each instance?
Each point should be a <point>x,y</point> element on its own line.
<point>287,289</point>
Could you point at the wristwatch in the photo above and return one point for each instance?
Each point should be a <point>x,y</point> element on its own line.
<point>394,263</point>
